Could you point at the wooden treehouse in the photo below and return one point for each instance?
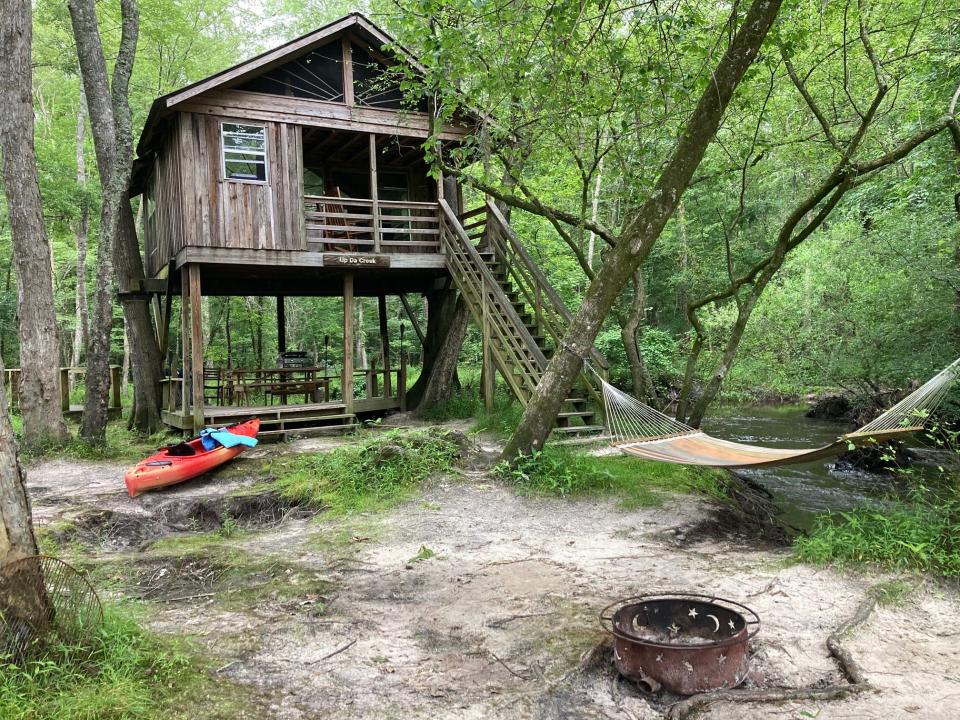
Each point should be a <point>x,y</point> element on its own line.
<point>301,172</point>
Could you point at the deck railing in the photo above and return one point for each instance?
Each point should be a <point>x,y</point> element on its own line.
<point>71,388</point>
<point>335,224</point>
<point>284,386</point>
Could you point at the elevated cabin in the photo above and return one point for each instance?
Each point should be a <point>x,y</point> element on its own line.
<point>301,172</point>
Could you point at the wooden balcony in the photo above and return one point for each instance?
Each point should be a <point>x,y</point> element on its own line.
<point>334,224</point>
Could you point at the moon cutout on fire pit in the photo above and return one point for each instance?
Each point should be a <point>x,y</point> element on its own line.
<point>717,621</point>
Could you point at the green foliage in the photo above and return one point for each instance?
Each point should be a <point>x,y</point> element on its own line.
<point>123,674</point>
<point>915,536</point>
<point>372,474</point>
<point>918,532</point>
<point>424,553</point>
<point>562,472</point>
<point>122,445</point>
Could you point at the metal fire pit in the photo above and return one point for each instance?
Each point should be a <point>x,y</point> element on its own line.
<point>685,642</point>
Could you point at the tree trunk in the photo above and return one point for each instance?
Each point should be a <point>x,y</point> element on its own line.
<point>83,226</point>
<point>643,386</point>
<point>360,339</point>
<point>642,233</point>
<point>146,365</point>
<point>447,319</point>
<point>119,250</point>
<point>226,331</point>
<point>39,346</point>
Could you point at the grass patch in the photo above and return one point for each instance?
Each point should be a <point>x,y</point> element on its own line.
<point>124,673</point>
<point>562,472</point>
<point>893,592</point>
<point>122,445</point>
<point>912,536</point>
<point>372,474</point>
<point>467,402</point>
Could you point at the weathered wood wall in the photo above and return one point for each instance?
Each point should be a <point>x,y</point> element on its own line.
<point>239,214</point>
<point>163,232</point>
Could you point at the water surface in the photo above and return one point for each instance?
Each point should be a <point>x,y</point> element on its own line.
<point>802,491</point>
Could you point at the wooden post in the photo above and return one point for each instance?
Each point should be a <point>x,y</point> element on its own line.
<point>347,70</point>
<point>385,346</point>
<point>346,389</point>
<point>373,192</point>
<point>115,385</point>
<point>185,340</point>
<point>196,346</point>
<point>487,368</point>
<point>402,382</point>
<point>281,326</point>
<point>65,389</point>
<point>165,319</point>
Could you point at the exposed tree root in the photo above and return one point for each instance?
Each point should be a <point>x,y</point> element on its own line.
<point>850,668</point>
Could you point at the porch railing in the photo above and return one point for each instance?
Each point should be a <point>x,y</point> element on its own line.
<point>335,224</point>
<point>71,388</point>
<point>284,386</point>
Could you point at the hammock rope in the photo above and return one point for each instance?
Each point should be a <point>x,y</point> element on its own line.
<point>638,429</point>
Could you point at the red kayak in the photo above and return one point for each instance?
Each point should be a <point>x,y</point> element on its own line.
<point>181,462</point>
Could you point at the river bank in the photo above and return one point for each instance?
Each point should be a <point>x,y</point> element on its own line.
<point>467,600</point>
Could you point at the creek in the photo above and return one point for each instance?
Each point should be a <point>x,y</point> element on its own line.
<point>802,491</point>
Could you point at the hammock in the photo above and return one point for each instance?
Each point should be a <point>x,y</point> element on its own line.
<point>640,430</point>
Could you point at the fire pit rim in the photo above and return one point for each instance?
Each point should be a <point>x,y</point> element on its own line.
<point>606,619</point>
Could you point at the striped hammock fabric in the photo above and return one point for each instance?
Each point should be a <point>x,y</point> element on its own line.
<point>640,430</point>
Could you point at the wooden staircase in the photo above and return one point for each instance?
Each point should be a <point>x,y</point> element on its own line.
<point>520,314</point>
<point>284,421</point>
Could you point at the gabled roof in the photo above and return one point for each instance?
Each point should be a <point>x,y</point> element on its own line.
<point>354,23</point>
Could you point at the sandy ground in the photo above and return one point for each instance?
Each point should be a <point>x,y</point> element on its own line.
<point>491,624</point>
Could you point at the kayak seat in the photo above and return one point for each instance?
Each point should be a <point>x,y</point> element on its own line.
<point>180,449</point>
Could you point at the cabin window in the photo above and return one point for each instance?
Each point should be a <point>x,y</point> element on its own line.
<point>244,152</point>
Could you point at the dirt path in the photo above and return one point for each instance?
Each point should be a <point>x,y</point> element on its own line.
<point>333,618</point>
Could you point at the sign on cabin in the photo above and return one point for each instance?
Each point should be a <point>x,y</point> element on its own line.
<point>353,261</point>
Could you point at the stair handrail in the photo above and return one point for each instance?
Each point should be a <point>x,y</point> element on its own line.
<point>540,280</point>
<point>535,276</point>
<point>490,287</point>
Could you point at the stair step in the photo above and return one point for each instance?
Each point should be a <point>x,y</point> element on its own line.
<point>579,429</point>
<point>577,413</point>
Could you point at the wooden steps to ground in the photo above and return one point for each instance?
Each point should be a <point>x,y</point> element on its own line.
<point>280,422</point>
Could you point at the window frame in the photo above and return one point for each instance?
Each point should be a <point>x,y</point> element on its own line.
<point>224,150</point>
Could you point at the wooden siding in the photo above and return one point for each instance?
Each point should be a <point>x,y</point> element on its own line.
<point>164,232</point>
<point>303,111</point>
<point>238,214</point>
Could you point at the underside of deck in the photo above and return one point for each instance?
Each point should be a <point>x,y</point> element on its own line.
<point>303,273</point>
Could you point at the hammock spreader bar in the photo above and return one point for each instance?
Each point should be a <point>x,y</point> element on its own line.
<point>640,430</point>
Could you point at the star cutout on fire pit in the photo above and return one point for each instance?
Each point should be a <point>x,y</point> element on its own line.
<point>731,624</point>
<point>692,613</point>
<point>722,659</point>
<point>660,657</point>
<point>673,628</point>
<point>688,666</point>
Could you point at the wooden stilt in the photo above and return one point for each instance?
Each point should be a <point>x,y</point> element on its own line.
<point>196,346</point>
<point>164,320</point>
<point>385,346</point>
<point>281,325</point>
<point>347,379</point>
<point>185,340</point>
